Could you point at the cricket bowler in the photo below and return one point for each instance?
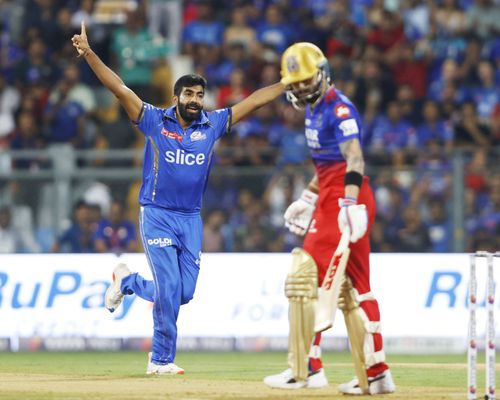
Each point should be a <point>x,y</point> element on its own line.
<point>177,161</point>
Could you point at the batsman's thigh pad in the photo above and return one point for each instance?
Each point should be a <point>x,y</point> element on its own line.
<point>301,288</point>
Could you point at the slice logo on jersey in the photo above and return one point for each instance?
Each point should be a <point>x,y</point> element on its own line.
<point>341,111</point>
<point>292,65</point>
<point>160,242</point>
<point>197,136</point>
<point>182,158</point>
<point>349,127</point>
<point>171,135</point>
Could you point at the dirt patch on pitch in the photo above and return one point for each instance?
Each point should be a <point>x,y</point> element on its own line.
<point>69,387</point>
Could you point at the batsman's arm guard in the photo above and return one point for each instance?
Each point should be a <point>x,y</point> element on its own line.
<point>301,288</point>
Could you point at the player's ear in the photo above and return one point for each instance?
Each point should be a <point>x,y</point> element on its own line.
<point>175,100</point>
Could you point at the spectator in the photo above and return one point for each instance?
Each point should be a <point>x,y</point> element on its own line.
<point>449,19</point>
<point>495,125</point>
<point>407,69</point>
<point>27,136</point>
<point>486,95</point>
<point>63,118</point>
<point>373,81</point>
<point>292,144</point>
<point>78,237</point>
<point>439,227</point>
<point>204,30</point>
<point>434,127</point>
<point>35,68</point>
<point>392,134</point>
<point>410,106</point>
<point>236,58</point>
<point>274,32</point>
<point>130,46</point>
<point>483,19</point>
<point>233,93</point>
<point>116,234</point>
<point>10,99</point>
<point>84,13</point>
<point>116,133</point>
<point>469,131</point>
<point>79,92</point>
<point>413,237</point>
<point>449,74</point>
<point>239,31</point>
<point>213,238</point>
<point>10,241</point>
<point>416,16</point>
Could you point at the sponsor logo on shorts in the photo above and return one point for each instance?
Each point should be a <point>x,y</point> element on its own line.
<point>160,242</point>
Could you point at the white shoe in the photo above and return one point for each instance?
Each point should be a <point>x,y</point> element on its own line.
<point>114,296</point>
<point>285,380</point>
<point>163,369</point>
<point>380,384</point>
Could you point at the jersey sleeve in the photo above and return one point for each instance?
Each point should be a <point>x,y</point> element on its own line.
<point>221,120</point>
<point>149,118</point>
<point>346,122</point>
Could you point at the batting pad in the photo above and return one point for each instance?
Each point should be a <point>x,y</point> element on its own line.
<point>301,288</point>
<point>356,331</point>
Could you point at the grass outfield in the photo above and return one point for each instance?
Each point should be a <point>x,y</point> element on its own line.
<point>79,376</point>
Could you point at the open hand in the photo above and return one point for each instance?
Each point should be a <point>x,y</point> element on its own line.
<point>80,42</point>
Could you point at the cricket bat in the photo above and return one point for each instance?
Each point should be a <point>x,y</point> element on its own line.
<point>328,293</point>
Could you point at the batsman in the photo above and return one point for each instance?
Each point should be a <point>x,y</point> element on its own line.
<point>325,274</point>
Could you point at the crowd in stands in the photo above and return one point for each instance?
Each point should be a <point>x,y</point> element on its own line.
<point>425,76</point>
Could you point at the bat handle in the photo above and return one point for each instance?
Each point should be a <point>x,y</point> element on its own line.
<point>344,241</point>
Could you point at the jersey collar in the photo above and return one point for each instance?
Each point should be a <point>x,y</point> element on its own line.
<point>170,113</point>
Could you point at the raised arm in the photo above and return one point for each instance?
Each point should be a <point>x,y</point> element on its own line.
<point>127,98</point>
<point>256,100</point>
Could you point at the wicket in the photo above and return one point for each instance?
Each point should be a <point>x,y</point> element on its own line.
<point>490,327</point>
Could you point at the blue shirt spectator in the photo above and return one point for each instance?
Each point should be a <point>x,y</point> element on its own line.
<point>274,32</point>
<point>64,118</point>
<point>204,30</point>
<point>391,133</point>
<point>78,237</point>
<point>115,234</point>
<point>439,227</point>
<point>433,127</point>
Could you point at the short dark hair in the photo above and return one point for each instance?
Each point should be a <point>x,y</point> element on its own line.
<point>189,81</point>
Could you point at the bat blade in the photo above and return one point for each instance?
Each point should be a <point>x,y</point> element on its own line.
<point>328,293</point>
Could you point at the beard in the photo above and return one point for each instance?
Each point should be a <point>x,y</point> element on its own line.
<point>189,112</point>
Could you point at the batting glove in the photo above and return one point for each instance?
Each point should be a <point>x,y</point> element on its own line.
<point>353,216</point>
<point>299,214</point>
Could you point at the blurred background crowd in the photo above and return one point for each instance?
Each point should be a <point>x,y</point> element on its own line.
<point>425,76</point>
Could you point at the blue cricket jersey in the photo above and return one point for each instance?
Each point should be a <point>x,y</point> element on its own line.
<point>177,161</point>
<point>334,120</point>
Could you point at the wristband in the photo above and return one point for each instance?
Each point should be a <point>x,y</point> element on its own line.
<point>353,178</point>
<point>348,201</point>
<point>309,197</point>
